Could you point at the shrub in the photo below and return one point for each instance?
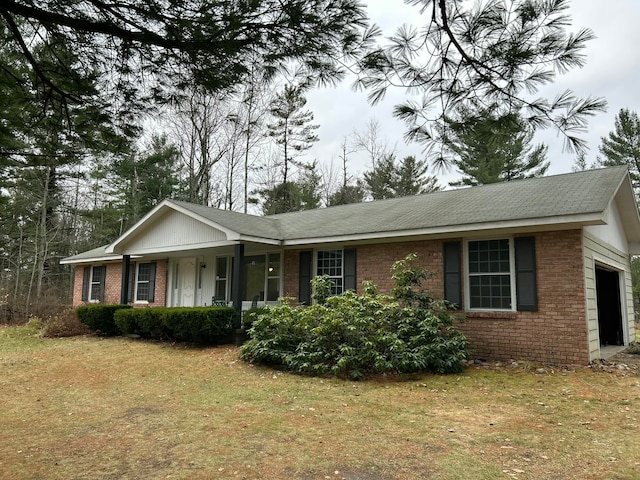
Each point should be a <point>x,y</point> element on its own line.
<point>203,325</point>
<point>64,323</point>
<point>353,335</point>
<point>100,317</point>
<point>251,315</point>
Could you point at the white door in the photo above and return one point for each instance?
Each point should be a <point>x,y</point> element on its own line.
<point>187,281</point>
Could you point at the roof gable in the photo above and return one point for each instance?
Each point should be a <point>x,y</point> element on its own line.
<point>171,231</point>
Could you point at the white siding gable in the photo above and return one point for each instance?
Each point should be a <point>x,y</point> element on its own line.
<point>173,231</point>
<point>613,232</point>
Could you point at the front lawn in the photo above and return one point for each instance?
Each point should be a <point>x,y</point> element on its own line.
<point>94,408</point>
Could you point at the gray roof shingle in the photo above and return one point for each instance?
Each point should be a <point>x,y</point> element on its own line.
<point>568,197</point>
<point>579,193</point>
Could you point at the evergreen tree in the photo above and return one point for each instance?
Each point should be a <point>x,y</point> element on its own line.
<point>153,50</point>
<point>390,179</point>
<point>347,194</point>
<point>487,147</point>
<point>488,51</point>
<point>293,196</point>
<point>144,179</point>
<point>622,146</point>
<point>292,129</point>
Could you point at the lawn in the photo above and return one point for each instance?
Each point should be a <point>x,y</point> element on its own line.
<point>93,408</point>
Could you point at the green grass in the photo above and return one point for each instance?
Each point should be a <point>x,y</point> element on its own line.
<point>92,408</point>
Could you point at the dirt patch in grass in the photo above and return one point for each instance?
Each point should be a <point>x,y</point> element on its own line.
<point>91,408</point>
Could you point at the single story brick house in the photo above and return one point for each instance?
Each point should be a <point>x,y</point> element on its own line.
<point>540,268</point>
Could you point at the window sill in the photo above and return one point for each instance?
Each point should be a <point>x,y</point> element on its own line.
<point>493,315</point>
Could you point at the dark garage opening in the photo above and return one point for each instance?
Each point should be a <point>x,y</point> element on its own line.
<point>609,308</point>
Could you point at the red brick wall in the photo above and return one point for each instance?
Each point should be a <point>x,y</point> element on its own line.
<point>556,333</point>
<point>113,284</point>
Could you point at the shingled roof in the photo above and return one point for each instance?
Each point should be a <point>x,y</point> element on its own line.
<point>582,196</point>
<point>572,199</point>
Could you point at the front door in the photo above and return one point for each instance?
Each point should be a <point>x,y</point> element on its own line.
<point>187,282</point>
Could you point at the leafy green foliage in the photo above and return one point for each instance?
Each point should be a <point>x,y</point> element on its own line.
<point>251,315</point>
<point>202,325</point>
<point>354,335</point>
<point>101,318</point>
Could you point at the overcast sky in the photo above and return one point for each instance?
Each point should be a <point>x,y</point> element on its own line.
<point>612,71</point>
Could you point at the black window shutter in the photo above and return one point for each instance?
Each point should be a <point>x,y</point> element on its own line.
<point>103,279</point>
<point>452,273</point>
<point>152,282</point>
<point>526,289</point>
<point>304,287</point>
<point>86,278</point>
<point>132,273</point>
<point>349,259</point>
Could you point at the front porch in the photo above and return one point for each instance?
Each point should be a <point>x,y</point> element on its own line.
<point>239,275</point>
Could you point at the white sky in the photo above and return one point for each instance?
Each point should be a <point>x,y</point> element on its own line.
<point>612,71</point>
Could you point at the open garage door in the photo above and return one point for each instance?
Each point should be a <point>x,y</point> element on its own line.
<point>609,306</point>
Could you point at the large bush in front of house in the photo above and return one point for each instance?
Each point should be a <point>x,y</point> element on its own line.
<point>355,335</point>
<point>100,317</point>
<point>202,325</point>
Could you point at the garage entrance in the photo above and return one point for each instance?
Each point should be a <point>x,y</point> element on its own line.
<point>609,306</point>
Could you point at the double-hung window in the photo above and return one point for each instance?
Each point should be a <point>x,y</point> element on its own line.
<point>145,282</point>
<point>97,283</point>
<point>490,274</point>
<point>330,263</point>
<point>498,274</point>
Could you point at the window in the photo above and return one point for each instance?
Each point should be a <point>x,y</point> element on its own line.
<point>330,263</point>
<point>490,274</point>
<point>273,277</point>
<point>95,283</point>
<point>145,282</point>
<point>222,269</point>
<point>262,277</point>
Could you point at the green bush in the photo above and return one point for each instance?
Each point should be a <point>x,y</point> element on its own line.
<point>251,315</point>
<point>100,317</point>
<point>203,325</point>
<point>355,335</point>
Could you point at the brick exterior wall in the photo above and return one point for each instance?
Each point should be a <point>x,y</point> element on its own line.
<point>113,284</point>
<point>556,333</point>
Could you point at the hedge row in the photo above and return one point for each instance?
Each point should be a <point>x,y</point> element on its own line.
<point>203,325</point>
<point>100,317</point>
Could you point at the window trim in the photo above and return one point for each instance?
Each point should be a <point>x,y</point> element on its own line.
<point>512,274</point>
<point>101,284</point>
<point>150,283</point>
<point>342,266</point>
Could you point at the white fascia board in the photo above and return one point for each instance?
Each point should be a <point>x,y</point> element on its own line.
<point>106,258</point>
<point>266,241</point>
<point>182,248</point>
<point>547,223</point>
